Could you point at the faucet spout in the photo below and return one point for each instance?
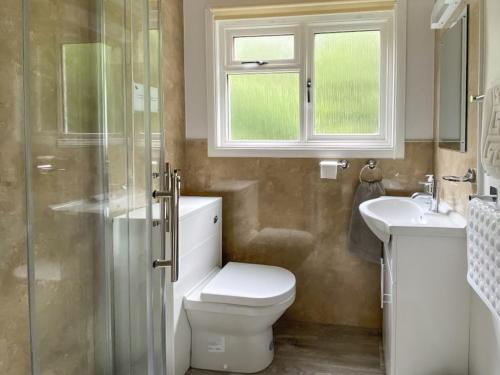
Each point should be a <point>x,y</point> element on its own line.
<point>419,194</point>
<point>435,197</point>
<point>430,192</point>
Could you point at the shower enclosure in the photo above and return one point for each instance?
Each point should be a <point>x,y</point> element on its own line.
<point>94,154</point>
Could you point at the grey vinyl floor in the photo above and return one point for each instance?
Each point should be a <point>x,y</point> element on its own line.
<point>317,349</point>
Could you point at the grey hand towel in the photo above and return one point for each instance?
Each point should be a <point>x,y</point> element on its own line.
<point>361,241</point>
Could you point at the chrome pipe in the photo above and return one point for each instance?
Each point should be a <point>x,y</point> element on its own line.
<point>470,176</point>
<point>382,282</point>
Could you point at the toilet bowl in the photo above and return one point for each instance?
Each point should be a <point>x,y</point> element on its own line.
<point>231,314</point>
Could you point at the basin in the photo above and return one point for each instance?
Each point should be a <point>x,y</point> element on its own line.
<point>386,216</point>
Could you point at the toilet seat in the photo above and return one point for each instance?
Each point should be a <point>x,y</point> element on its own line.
<point>249,296</point>
<point>252,285</point>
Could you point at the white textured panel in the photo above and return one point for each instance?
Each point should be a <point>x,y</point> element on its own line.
<point>490,140</point>
<point>483,253</point>
<point>485,328</point>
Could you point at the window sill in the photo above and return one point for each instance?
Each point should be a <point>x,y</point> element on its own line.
<point>304,152</point>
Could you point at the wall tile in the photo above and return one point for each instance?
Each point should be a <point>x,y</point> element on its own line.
<point>14,344</point>
<point>279,212</point>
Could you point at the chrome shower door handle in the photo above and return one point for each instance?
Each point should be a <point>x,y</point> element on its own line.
<point>170,221</point>
<point>164,198</point>
<point>174,223</point>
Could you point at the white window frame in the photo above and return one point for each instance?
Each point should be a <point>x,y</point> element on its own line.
<point>389,143</point>
<point>232,66</point>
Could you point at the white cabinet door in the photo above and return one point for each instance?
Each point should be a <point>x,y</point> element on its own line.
<point>386,301</point>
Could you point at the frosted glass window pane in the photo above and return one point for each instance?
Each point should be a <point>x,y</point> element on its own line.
<point>266,48</point>
<point>347,83</point>
<point>264,106</point>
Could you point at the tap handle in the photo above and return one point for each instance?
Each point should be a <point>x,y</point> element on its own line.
<point>429,179</point>
<point>429,184</point>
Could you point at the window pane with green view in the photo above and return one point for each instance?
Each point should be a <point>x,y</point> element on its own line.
<point>347,82</point>
<point>264,106</point>
<point>266,48</point>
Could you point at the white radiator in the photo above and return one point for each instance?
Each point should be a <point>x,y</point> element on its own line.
<point>483,253</point>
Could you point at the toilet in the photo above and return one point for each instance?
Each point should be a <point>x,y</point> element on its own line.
<point>231,313</point>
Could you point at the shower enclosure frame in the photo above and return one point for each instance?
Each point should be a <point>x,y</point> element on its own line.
<point>153,163</point>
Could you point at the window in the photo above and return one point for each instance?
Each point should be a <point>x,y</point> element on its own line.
<point>318,85</point>
<point>347,83</point>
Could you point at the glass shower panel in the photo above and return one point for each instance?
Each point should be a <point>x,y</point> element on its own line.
<point>66,186</point>
<point>138,311</point>
<point>158,250</point>
<point>93,141</point>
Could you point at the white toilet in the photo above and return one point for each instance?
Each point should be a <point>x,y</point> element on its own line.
<point>231,314</point>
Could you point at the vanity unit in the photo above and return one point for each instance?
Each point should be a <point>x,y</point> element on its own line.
<point>424,292</point>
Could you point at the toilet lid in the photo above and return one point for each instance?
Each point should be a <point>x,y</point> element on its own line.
<point>250,285</point>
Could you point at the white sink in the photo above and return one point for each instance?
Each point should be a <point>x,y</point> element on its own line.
<point>386,216</point>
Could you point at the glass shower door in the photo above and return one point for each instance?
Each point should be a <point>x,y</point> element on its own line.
<point>93,149</point>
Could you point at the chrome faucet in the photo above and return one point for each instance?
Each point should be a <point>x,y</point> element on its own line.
<point>431,192</point>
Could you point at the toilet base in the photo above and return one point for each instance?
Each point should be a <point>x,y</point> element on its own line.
<point>236,353</point>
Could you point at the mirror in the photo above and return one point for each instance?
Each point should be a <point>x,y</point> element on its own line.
<point>453,86</point>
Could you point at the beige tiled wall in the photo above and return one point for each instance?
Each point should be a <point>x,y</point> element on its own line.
<point>279,212</point>
<point>173,81</point>
<point>13,290</point>
<point>14,345</point>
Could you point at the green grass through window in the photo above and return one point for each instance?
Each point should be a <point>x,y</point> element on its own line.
<point>347,83</point>
<point>264,106</point>
<point>346,92</point>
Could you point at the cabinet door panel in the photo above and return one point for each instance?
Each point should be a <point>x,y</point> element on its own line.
<point>389,319</point>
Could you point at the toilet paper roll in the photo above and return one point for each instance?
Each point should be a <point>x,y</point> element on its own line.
<point>329,169</point>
